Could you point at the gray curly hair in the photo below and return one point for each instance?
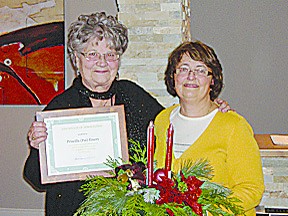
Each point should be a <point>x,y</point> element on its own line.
<point>97,25</point>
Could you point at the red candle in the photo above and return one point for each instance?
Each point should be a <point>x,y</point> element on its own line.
<point>168,161</point>
<point>150,153</point>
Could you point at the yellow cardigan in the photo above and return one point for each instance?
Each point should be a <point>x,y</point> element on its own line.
<point>229,146</point>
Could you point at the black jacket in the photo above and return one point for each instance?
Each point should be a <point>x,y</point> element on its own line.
<point>140,107</point>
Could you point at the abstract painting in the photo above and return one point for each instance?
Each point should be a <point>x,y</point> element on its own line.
<point>31,51</point>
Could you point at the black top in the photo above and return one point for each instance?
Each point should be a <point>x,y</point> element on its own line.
<point>140,107</point>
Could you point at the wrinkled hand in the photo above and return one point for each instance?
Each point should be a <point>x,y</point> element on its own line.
<point>37,133</point>
<point>223,105</point>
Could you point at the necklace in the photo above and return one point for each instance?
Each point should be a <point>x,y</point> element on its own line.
<point>102,102</point>
<point>96,95</point>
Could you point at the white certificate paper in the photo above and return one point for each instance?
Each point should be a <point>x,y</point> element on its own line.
<point>79,145</point>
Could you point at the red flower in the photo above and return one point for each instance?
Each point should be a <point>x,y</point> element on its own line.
<point>170,193</point>
<point>193,193</point>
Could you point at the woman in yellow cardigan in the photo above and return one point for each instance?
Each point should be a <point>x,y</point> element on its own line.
<point>194,75</point>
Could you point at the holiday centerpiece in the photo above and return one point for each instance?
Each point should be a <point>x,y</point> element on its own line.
<point>139,189</point>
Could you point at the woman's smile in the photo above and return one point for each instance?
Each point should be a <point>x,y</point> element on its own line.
<point>101,71</point>
<point>191,85</point>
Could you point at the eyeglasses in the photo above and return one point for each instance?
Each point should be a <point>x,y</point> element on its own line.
<point>199,71</point>
<point>95,56</point>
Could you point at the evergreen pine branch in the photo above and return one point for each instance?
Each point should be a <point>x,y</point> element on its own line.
<point>113,163</point>
<point>137,153</point>
<point>200,169</point>
<point>217,200</point>
<point>98,191</point>
<point>180,209</point>
<point>136,205</point>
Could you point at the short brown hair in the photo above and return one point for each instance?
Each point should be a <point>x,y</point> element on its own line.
<point>198,51</point>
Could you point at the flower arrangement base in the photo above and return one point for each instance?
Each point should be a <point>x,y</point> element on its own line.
<point>188,193</point>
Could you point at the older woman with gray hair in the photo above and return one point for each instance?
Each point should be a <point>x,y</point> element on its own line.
<point>96,43</point>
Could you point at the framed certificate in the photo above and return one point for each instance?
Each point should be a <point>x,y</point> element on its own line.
<point>80,141</point>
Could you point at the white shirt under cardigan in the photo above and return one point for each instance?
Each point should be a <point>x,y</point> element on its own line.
<point>187,130</point>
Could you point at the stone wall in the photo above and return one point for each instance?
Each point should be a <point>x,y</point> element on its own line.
<point>156,27</point>
<point>275,171</point>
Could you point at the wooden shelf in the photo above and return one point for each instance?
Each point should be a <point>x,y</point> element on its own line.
<point>268,148</point>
